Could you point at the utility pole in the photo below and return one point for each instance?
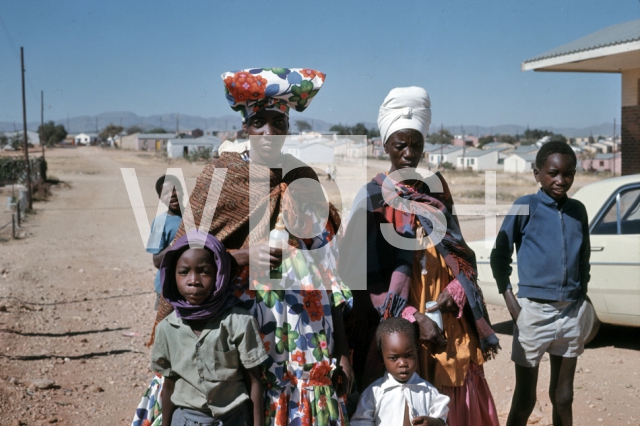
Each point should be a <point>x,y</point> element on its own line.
<point>42,122</point>
<point>24,127</point>
<point>464,150</point>
<point>613,165</point>
<point>441,143</point>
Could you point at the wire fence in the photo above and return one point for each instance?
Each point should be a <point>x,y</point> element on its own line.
<point>8,229</point>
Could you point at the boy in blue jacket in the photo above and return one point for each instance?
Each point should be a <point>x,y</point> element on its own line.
<point>552,243</point>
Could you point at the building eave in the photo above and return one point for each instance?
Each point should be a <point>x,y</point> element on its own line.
<point>608,59</point>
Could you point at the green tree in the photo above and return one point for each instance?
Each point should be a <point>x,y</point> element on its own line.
<point>110,131</point>
<point>359,129</point>
<point>536,134</point>
<point>373,133</point>
<point>443,137</point>
<point>156,130</point>
<point>17,141</point>
<point>506,138</point>
<point>341,129</point>
<point>303,126</point>
<point>134,129</point>
<point>3,140</point>
<point>558,138</point>
<point>52,133</point>
<point>485,140</point>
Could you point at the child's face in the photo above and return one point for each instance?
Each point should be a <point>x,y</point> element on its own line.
<point>169,196</point>
<point>556,175</point>
<point>399,353</point>
<point>196,275</point>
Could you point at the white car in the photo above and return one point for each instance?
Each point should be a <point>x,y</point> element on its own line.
<point>613,207</point>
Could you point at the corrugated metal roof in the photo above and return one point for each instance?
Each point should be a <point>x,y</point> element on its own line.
<point>525,156</point>
<point>195,142</point>
<point>525,149</point>
<point>446,150</point>
<point>156,136</point>
<point>615,34</point>
<point>481,153</point>
<point>605,156</point>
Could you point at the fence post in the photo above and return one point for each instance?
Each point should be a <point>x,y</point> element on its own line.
<point>18,211</point>
<point>13,225</point>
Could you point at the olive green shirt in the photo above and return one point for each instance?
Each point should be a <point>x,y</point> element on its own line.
<point>207,369</point>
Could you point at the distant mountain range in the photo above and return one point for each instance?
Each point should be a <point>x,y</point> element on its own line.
<point>173,122</point>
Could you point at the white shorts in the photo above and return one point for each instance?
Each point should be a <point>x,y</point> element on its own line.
<point>555,327</point>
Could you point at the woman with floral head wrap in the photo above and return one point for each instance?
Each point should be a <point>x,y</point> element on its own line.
<point>299,318</point>
<point>400,209</point>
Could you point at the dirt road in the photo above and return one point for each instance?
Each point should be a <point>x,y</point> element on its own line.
<point>76,308</point>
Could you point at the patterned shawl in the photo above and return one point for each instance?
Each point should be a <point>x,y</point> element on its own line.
<point>385,263</point>
<point>230,222</point>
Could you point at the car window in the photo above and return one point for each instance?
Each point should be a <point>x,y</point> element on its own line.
<point>629,213</point>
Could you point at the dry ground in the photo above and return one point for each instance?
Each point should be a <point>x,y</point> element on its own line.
<point>76,303</point>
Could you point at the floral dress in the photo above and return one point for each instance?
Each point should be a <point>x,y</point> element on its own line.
<point>296,327</point>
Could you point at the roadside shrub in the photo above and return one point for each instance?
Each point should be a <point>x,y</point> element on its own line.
<point>14,170</point>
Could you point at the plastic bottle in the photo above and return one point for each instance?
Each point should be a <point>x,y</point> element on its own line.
<point>436,316</point>
<point>278,238</point>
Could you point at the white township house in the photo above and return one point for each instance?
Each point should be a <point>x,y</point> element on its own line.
<point>313,152</point>
<point>180,147</point>
<point>520,162</point>
<point>32,137</point>
<point>615,49</point>
<point>85,138</point>
<point>480,160</point>
<point>146,141</point>
<point>445,154</point>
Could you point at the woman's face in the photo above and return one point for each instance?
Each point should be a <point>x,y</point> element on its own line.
<point>404,148</point>
<point>196,275</point>
<point>268,123</point>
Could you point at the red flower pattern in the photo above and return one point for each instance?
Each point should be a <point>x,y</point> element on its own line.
<point>288,376</point>
<point>310,74</point>
<point>299,357</point>
<point>282,415</point>
<point>244,86</point>
<point>319,374</point>
<point>266,343</point>
<point>322,402</point>
<point>312,303</point>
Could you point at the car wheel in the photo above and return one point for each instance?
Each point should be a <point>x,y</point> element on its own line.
<point>591,323</point>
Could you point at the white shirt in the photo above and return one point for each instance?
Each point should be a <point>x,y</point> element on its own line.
<point>383,402</point>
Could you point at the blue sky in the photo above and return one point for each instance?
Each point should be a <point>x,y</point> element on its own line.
<point>167,56</point>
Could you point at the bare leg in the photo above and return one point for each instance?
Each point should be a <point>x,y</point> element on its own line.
<point>524,396</point>
<point>563,371</point>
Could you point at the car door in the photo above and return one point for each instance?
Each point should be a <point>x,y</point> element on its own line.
<point>615,257</point>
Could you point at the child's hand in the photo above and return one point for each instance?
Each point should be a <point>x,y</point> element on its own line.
<point>512,304</point>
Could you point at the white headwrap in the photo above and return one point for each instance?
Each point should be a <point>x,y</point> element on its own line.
<point>405,108</point>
